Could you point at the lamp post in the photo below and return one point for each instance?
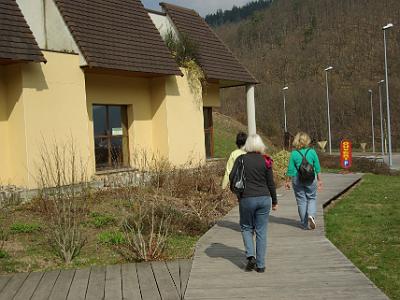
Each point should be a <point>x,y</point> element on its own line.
<point>284,106</point>
<point>328,108</point>
<point>381,115</point>
<point>384,28</point>
<point>372,123</point>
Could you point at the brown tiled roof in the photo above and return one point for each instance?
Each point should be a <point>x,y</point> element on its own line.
<point>117,35</point>
<point>214,57</point>
<point>16,39</point>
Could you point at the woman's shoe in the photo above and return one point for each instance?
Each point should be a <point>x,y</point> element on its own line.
<point>251,264</point>
<point>311,222</point>
<point>260,270</point>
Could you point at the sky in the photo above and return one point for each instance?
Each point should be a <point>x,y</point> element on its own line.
<point>203,7</point>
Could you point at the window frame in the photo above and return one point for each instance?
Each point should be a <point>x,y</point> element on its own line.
<point>208,112</point>
<point>125,161</point>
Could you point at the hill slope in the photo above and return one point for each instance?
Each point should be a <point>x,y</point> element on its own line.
<point>293,41</point>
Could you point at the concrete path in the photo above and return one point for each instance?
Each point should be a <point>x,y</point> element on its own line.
<point>300,264</point>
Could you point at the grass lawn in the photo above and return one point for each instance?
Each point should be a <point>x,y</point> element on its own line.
<point>365,226</point>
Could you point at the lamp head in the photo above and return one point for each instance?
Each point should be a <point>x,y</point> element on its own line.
<point>285,88</point>
<point>370,91</point>
<point>329,68</point>
<point>388,26</point>
<point>382,81</point>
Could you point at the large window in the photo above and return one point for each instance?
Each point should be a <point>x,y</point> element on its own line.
<point>208,131</point>
<point>110,136</point>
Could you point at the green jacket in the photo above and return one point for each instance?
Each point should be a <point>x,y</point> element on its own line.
<point>296,159</point>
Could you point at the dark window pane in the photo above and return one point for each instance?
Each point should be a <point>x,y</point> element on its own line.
<point>114,114</point>
<point>116,151</point>
<point>208,137</point>
<point>207,113</point>
<point>101,152</point>
<point>100,119</point>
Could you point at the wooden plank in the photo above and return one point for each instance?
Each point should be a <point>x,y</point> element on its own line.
<point>174,271</point>
<point>166,285</point>
<point>130,283</point>
<point>113,287</point>
<point>147,283</point>
<point>28,288</point>
<point>79,285</point>
<point>300,264</point>
<point>96,284</point>
<point>45,286</point>
<point>4,280</point>
<point>62,285</point>
<point>185,267</point>
<point>13,286</point>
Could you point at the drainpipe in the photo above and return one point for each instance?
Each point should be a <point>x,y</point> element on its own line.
<point>251,110</point>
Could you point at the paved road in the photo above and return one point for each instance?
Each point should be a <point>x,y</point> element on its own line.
<point>300,264</point>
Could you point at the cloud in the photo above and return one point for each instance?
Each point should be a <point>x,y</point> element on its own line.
<point>203,7</point>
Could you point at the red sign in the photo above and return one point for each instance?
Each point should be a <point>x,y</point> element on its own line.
<point>346,154</point>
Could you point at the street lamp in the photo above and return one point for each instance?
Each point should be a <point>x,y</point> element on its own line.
<point>328,107</point>
<point>284,105</point>
<point>372,123</point>
<point>381,114</point>
<point>384,28</point>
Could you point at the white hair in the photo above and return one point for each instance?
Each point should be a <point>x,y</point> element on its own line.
<point>254,143</point>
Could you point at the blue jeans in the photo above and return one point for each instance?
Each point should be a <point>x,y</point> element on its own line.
<point>306,197</point>
<point>254,213</point>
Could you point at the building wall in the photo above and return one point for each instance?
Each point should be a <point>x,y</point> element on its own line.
<point>185,123</point>
<point>130,91</point>
<point>3,127</point>
<point>55,111</point>
<point>211,96</point>
<point>12,129</point>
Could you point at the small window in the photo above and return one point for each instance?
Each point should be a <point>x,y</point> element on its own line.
<point>110,136</point>
<point>208,131</point>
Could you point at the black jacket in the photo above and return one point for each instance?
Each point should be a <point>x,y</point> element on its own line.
<point>259,178</point>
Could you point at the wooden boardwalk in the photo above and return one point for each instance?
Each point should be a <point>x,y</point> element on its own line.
<point>144,281</point>
<point>300,264</point>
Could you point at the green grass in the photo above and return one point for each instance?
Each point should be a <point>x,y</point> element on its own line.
<point>100,220</point>
<point>24,227</point>
<point>3,254</point>
<point>365,226</point>
<point>181,246</point>
<point>111,238</point>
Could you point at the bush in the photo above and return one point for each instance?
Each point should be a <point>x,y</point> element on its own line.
<point>3,237</point>
<point>101,220</point>
<point>111,238</point>
<point>24,227</point>
<point>64,195</point>
<point>281,162</point>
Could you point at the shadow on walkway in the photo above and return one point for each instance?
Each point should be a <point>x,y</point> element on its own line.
<point>284,221</point>
<point>230,225</point>
<point>234,255</point>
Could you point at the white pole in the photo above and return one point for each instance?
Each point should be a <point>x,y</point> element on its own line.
<point>387,96</point>
<point>381,115</point>
<point>372,124</point>
<point>251,110</point>
<point>284,107</point>
<point>328,108</point>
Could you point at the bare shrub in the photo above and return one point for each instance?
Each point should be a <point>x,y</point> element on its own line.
<point>146,229</point>
<point>64,194</point>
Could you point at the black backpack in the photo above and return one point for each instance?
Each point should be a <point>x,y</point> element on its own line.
<point>237,177</point>
<point>306,170</point>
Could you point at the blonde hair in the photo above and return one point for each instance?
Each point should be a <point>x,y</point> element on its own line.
<point>254,143</point>
<point>301,140</point>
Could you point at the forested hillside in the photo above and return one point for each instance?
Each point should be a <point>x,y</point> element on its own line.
<point>293,41</point>
<point>237,14</point>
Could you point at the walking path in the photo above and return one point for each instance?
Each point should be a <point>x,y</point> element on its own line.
<point>144,281</point>
<point>300,264</point>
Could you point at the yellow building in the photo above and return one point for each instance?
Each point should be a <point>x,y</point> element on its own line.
<point>98,74</point>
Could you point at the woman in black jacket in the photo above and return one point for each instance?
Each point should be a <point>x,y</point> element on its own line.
<point>256,201</point>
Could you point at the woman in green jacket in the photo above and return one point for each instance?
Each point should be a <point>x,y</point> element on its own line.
<point>304,191</point>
